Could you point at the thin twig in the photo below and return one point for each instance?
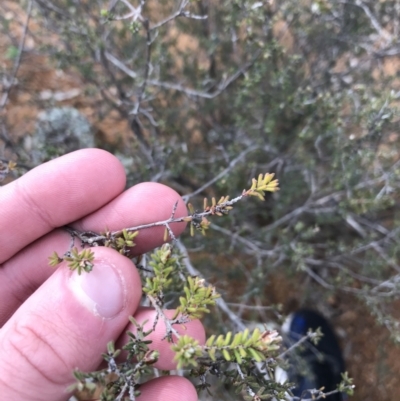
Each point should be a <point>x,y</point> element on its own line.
<point>249,390</point>
<point>207,95</point>
<point>374,22</point>
<point>142,89</point>
<point>179,13</point>
<point>94,239</point>
<point>17,62</point>
<point>167,321</point>
<point>295,345</point>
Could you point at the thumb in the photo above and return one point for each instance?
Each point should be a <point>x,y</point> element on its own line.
<point>66,325</point>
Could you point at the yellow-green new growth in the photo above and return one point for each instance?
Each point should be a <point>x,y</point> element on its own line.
<point>125,240</point>
<point>187,350</point>
<point>55,259</point>
<point>261,185</point>
<point>256,346</point>
<point>163,264</point>
<point>197,300</point>
<point>197,219</point>
<point>80,261</point>
<point>219,208</point>
<point>197,222</point>
<point>346,385</point>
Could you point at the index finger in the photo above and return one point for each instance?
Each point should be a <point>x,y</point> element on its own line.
<point>56,193</point>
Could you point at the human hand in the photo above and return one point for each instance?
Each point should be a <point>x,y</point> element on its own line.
<point>55,321</point>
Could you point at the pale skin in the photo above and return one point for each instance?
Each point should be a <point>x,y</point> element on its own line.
<point>53,321</point>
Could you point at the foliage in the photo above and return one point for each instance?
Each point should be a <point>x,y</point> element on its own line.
<point>79,261</point>
<point>123,380</point>
<point>213,93</point>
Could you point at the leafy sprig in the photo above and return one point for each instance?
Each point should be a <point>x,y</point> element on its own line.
<point>80,261</point>
<point>163,264</point>
<point>262,185</point>
<point>242,345</point>
<point>197,300</point>
<point>123,240</point>
<point>231,348</point>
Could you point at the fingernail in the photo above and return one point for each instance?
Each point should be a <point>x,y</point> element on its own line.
<point>101,291</point>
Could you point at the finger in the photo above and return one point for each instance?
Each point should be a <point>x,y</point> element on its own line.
<point>141,204</point>
<point>168,388</point>
<point>66,324</point>
<point>147,317</point>
<point>54,194</point>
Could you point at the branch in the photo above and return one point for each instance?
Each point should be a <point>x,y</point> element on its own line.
<point>179,13</point>
<point>167,321</point>
<point>374,22</point>
<point>17,62</point>
<point>142,89</point>
<point>221,87</point>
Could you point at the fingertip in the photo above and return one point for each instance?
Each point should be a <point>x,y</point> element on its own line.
<point>101,163</point>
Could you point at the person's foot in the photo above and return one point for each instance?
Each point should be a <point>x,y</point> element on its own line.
<point>313,366</point>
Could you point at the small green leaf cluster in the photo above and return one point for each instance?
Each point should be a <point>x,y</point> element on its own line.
<point>346,385</point>
<point>121,241</point>
<point>187,350</point>
<point>315,336</point>
<point>138,347</point>
<point>217,208</point>
<point>197,300</point>
<point>243,345</point>
<point>125,241</point>
<point>231,348</point>
<point>106,15</point>
<point>199,221</point>
<point>79,261</point>
<point>262,394</point>
<point>55,259</point>
<point>196,221</point>
<point>163,264</point>
<point>261,185</point>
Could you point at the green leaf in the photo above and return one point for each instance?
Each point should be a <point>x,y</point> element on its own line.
<point>226,354</point>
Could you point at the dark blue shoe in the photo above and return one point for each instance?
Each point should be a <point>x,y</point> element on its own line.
<point>313,366</point>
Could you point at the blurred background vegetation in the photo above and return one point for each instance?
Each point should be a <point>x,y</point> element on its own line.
<point>203,95</point>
